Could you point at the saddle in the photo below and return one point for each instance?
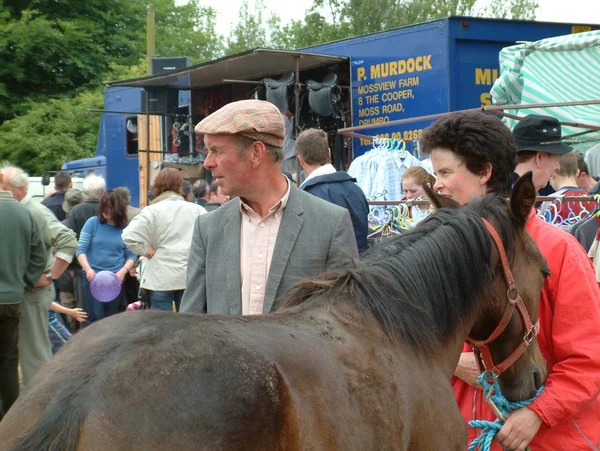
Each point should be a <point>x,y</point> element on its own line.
<point>281,92</point>
<point>258,93</point>
<point>324,97</point>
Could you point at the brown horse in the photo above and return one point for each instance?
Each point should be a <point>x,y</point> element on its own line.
<point>360,359</point>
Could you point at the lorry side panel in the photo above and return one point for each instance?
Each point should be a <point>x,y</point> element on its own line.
<point>474,49</point>
<point>395,75</point>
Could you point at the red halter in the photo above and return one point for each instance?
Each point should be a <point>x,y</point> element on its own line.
<point>480,348</point>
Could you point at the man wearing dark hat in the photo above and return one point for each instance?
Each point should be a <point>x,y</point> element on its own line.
<point>73,197</point>
<point>248,252</point>
<point>539,146</point>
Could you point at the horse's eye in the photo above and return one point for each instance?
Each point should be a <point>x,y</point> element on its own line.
<point>546,273</point>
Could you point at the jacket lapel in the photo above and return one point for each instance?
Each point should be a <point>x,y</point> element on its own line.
<point>291,224</point>
<point>233,292</point>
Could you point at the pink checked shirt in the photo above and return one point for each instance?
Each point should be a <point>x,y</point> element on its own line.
<point>258,237</point>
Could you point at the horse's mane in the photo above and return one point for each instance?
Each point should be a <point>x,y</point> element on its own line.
<point>419,285</point>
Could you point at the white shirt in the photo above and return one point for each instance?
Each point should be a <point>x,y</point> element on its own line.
<point>323,170</point>
<point>166,226</point>
<point>257,243</point>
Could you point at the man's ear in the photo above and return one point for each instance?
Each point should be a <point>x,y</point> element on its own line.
<point>522,198</point>
<point>258,152</point>
<point>437,200</point>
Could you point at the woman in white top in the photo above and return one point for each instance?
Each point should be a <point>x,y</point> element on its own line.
<point>412,185</point>
<point>162,233</point>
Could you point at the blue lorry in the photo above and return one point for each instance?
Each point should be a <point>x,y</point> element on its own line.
<point>439,66</point>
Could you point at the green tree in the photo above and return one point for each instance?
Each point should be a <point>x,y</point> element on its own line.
<point>329,20</point>
<point>186,30</point>
<point>56,54</point>
<point>513,9</point>
<point>51,48</point>
<point>314,29</point>
<point>250,32</point>
<point>52,132</point>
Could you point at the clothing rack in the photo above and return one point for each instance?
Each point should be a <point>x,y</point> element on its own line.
<point>538,199</point>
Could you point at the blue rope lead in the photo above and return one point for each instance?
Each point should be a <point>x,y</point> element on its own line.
<point>489,429</point>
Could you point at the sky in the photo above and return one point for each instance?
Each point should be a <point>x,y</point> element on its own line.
<point>575,11</point>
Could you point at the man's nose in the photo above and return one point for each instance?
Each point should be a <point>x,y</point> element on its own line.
<point>437,186</point>
<point>209,163</point>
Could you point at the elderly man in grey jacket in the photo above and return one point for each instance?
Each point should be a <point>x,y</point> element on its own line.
<point>247,253</point>
<point>34,344</point>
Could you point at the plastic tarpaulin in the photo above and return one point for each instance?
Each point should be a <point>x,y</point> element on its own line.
<point>560,69</point>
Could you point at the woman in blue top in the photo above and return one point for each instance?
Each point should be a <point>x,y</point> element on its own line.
<point>101,249</point>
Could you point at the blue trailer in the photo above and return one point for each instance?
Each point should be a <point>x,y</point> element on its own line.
<point>434,67</point>
<point>116,150</point>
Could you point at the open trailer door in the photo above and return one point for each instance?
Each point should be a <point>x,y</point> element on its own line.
<point>310,89</point>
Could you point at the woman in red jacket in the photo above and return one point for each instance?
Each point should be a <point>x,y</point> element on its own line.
<point>474,154</point>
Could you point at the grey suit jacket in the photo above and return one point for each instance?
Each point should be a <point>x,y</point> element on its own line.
<point>314,235</point>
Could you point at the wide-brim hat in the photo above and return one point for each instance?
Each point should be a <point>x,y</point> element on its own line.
<point>539,133</point>
<point>73,197</point>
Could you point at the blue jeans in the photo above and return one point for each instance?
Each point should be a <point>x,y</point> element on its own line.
<point>57,331</point>
<point>163,300</point>
<point>98,310</point>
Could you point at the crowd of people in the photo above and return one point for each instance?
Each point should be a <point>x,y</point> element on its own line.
<point>237,245</point>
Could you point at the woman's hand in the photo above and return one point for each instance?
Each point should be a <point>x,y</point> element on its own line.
<point>519,429</point>
<point>89,274</point>
<point>78,314</point>
<point>121,273</point>
<point>468,369</point>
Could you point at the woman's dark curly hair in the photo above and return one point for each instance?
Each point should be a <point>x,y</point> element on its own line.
<point>112,203</point>
<point>479,139</point>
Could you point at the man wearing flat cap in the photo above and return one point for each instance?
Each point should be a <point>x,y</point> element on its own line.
<point>539,146</point>
<point>248,252</point>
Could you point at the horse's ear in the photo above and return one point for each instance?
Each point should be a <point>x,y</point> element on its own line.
<point>437,200</point>
<point>522,198</point>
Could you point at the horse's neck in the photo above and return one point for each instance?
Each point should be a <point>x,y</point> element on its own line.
<point>445,356</point>
<point>450,352</point>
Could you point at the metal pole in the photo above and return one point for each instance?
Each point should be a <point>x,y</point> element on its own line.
<point>245,82</point>
<point>297,112</point>
<point>568,124</point>
<point>150,49</point>
<point>147,187</point>
<point>541,105</point>
<point>399,121</point>
<point>90,110</point>
<point>495,109</point>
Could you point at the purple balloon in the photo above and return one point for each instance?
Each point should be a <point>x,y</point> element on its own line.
<point>105,286</point>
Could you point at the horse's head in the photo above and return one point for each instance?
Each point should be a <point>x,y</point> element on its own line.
<point>504,333</point>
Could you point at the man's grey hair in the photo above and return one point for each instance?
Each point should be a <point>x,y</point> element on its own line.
<point>93,185</point>
<point>18,177</point>
<point>186,188</point>
<point>276,153</point>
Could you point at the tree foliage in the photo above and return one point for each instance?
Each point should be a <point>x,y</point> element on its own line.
<point>251,31</point>
<point>58,130</point>
<point>52,132</point>
<point>330,20</point>
<point>51,48</point>
<point>57,53</point>
<point>186,30</point>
